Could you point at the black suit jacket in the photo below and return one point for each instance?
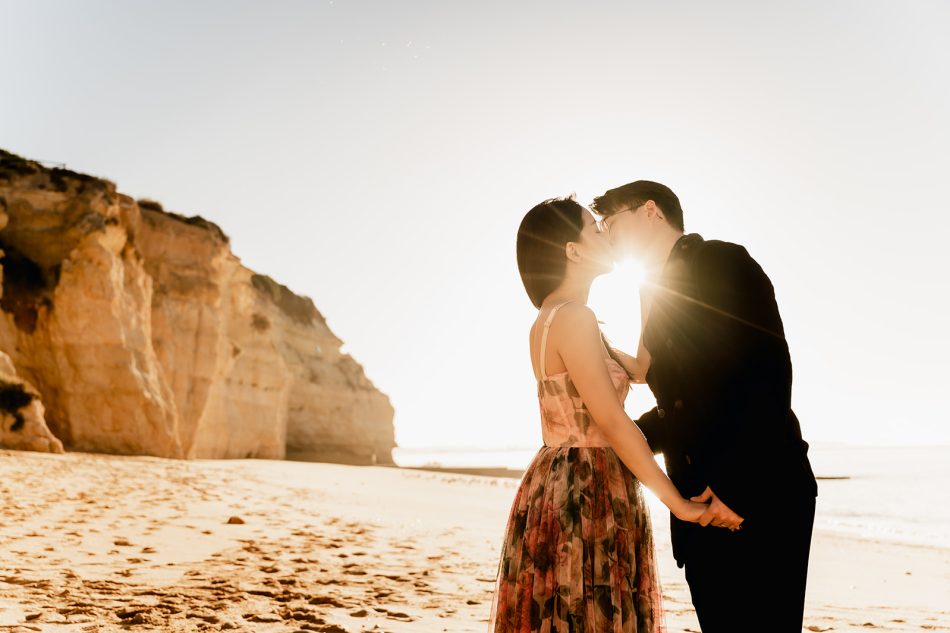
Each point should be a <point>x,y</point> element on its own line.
<point>722,378</point>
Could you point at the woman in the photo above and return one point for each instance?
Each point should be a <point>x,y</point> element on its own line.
<point>578,550</point>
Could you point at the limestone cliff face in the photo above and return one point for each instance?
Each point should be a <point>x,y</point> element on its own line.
<point>22,422</point>
<point>144,334</point>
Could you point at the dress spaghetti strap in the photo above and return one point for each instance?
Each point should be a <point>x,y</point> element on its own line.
<point>544,335</point>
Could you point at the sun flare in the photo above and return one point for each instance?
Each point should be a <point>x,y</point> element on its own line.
<point>631,271</point>
<point>615,299</point>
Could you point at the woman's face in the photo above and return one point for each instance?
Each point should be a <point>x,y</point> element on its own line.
<point>593,250</point>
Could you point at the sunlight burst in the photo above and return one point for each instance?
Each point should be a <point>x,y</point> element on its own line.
<point>631,271</point>
<point>615,299</point>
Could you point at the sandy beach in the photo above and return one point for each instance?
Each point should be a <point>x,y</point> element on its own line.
<point>107,543</point>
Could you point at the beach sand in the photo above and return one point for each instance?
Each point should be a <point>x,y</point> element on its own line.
<point>110,543</point>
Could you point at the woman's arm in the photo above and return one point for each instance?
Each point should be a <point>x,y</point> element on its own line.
<point>581,352</point>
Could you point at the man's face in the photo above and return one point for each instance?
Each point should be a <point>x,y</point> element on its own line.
<point>628,230</point>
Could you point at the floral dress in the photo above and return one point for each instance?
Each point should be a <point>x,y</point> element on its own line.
<point>578,553</point>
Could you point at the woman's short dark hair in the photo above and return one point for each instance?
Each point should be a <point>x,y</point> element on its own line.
<point>636,193</point>
<point>544,232</point>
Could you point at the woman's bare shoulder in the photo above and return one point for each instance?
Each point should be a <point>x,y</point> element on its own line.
<point>572,319</point>
<point>575,310</point>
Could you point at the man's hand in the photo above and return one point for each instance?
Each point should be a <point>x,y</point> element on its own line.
<point>718,513</point>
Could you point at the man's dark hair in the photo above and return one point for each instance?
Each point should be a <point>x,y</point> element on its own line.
<point>636,193</point>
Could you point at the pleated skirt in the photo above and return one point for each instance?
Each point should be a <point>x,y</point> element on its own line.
<point>578,554</point>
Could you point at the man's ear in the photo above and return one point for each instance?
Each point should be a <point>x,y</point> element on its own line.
<point>652,210</point>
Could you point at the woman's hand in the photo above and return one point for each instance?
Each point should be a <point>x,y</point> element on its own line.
<point>635,367</point>
<point>690,511</point>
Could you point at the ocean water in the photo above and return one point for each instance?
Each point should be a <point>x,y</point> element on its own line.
<point>888,493</point>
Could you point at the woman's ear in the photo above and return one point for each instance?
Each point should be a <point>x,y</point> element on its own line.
<point>570,249</point>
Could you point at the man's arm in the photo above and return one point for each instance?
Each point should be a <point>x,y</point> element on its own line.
<point>653,429</point>
<point>746,352</point>
<point>650,422</point>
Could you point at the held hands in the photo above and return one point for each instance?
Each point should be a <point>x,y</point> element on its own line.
<point>717,513</point>
<point>690,511</point>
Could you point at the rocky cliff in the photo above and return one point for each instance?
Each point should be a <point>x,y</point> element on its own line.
<point>140,332</point>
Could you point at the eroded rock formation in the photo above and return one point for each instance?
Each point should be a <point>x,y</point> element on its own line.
<point>22,422</point>
<point>143,334</point>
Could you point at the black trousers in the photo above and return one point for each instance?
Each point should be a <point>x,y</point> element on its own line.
<point>752,579</point>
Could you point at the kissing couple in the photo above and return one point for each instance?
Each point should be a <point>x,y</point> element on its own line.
<point>578,553</point>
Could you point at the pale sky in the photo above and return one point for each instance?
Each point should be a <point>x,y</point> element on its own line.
<point>379,156</point>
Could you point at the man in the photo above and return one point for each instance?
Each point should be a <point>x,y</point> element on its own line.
<point>720,370</point>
